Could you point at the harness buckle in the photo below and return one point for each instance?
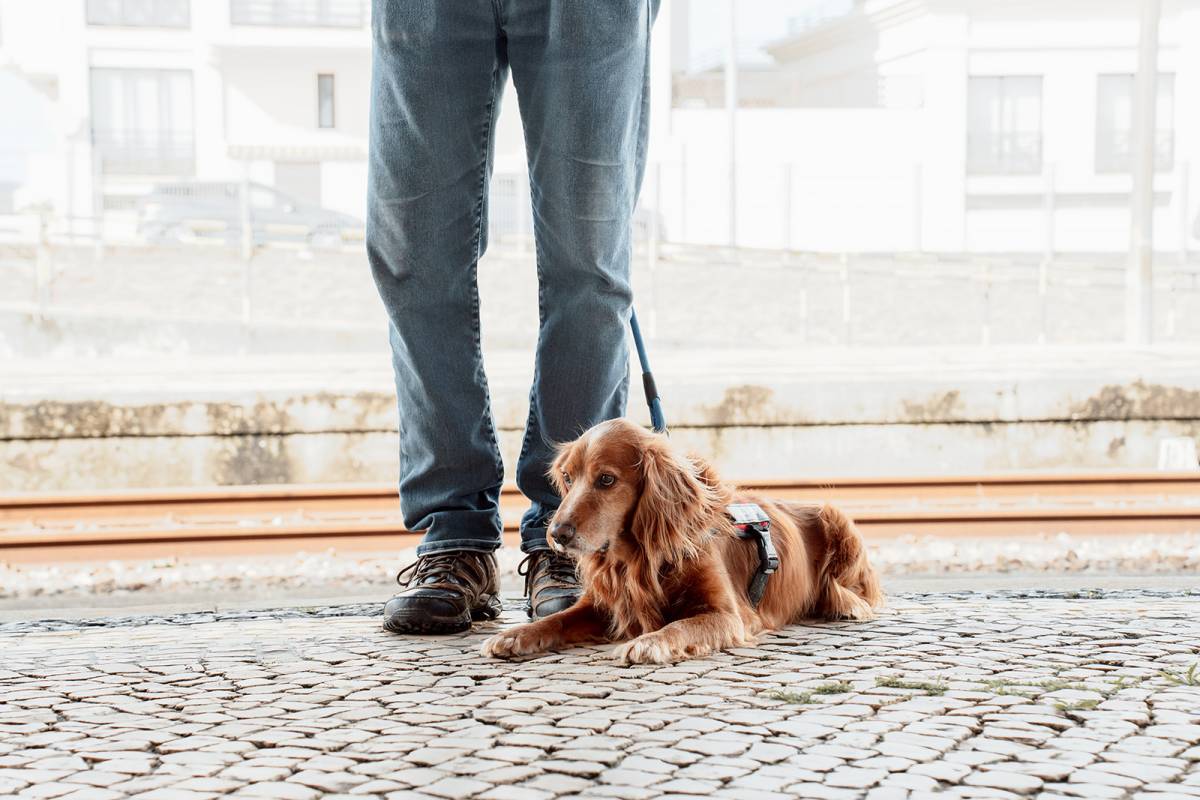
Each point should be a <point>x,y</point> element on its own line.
<point>751,522</point>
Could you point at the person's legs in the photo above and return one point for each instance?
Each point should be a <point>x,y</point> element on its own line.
<point>581,71</point>
<point>438,73</point>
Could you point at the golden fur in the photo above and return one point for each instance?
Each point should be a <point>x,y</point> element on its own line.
<point>663,569</point>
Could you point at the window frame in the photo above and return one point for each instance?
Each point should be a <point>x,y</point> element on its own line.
<point>1110,160</point>
<point>117,138</point>
<point>1006,162</point>
<point>323,79</point>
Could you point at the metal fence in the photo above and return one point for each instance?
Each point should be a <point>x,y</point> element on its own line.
<point>835,297</point>
<point>300,13</point>
<point>140,13</point>
<point>67,272</point>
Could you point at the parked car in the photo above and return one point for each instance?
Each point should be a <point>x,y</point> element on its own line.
<point>191,210</point>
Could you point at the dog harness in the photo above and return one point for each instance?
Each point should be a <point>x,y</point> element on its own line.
<point>751,522</point>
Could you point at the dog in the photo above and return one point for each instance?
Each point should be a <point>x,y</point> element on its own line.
<point>662,567</point>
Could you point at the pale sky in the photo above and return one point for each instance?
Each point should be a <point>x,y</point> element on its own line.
<point>758,22</point>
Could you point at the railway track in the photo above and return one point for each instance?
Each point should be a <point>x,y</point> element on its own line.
<point>230,520</point>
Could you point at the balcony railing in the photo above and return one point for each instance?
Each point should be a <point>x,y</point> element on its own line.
<point>300,13</point>
<point>126,152</point>
<point>1004,152</point>
<point>1114,150</point>
<point>139,13</point>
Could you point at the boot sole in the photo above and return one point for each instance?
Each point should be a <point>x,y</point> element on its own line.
<point>489,608</point>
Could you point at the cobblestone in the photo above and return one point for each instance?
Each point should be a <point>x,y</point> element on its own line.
<point>968,696</point>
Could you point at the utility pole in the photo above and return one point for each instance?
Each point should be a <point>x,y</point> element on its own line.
<point>1139,283</point>
<point>731,94</point>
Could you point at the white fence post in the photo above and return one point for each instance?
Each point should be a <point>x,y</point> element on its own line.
<point>1182,194</point>
<point>247,244</point>
<point>1043,287</point>
<point>985,328</point>
<point>918,201</point>
<point>788,170</point>
<point>846,311</point>
<point>1049,245</point>
<point>652,232</point>
<point>1049,212</point>
<point>97,204</point>
<point>802,300</point>
<point>683,195</point>
<point>44,266</point>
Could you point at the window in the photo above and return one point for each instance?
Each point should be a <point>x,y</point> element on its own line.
<point>1114,123</point>
<point>139,13</point>
<point>1004,125</point>
<point>299,13</point>
<point>325,118</point>
<point>142,121</point>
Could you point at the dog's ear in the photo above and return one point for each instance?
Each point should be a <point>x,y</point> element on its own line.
<point>555,471</point>
<point>676,507</point>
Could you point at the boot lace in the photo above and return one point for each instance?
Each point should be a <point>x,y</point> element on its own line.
<point>557,567</point>
<point>453,570</point>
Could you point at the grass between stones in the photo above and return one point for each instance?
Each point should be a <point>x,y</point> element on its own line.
<point>804,698</point>
<point>933,688</point>
<point>1077,705</point>
<point>1019,688</point>
<point>1033,688</point>
<point>1189,678</point>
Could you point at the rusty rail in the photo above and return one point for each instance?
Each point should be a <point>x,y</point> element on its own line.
<point>367,516</point>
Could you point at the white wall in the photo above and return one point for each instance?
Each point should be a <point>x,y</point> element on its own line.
<point>851,176</point>
<point>895,176</point>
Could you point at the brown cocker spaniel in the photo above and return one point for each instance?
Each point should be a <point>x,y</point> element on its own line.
<point>662,566</point>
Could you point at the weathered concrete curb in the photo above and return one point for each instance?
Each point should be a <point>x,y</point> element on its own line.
<point>755,413</point>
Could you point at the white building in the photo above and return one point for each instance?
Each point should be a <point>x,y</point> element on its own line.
<point>949,125</point>
<point>143,91</point>
<point>868,125</point>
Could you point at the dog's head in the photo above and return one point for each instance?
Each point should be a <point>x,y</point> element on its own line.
<point>624,488</point>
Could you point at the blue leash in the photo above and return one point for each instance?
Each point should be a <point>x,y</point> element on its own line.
<point>657,419</point>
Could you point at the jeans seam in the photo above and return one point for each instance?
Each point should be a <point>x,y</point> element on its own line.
<point>531,423</point>
<point>476,325</point>
<point>533,405</point>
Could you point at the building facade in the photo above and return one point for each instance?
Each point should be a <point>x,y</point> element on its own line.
<point>976,125</point>
<point>142,92</point>
<point>884,125</point>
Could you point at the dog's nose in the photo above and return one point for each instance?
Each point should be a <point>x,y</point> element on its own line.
<point>563,533</point>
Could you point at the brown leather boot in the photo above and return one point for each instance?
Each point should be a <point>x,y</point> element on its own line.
<point>443,593</point>
<point>551,583</point>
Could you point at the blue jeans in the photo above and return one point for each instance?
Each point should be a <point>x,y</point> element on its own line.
<point>581,70</point>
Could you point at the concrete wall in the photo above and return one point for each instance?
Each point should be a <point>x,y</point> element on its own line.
<point>754,414</point>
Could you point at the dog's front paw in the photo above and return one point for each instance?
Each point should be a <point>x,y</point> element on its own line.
<point>523,640</point>
<point>651,648</point>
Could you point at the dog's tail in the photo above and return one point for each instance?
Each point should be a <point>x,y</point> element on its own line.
<point>848,585</point>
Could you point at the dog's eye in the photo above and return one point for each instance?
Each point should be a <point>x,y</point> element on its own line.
<point>605,480</point>
<point>566,479</point>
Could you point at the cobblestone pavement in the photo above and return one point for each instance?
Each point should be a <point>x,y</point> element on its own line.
<point>944,696</point>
